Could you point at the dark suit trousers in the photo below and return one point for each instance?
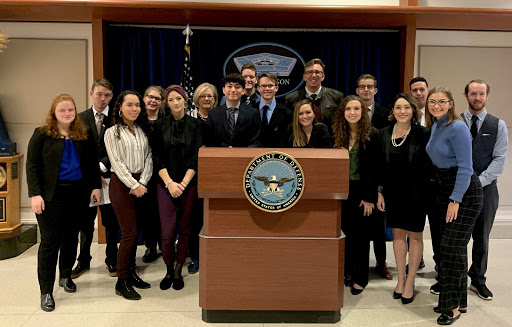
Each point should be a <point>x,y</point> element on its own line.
<point>151,231</point>
<point>109,221</point>
<point>130,211</point>
<point>481,234</point>
<point>59,224</point>
<point>357,241</point>
<point>197,225</point>
<point>175,214</point>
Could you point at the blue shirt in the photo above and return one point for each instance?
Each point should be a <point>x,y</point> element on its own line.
<point>451,146</point>
<point>270,110</point>
<point>499,153</point>
<point>70,163</point>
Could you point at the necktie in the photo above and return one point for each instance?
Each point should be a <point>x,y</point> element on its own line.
<point>99,121</point>
<point>264,120</point>
<point>474,128</point>
<point>232,120</point>
<point>316,107</point>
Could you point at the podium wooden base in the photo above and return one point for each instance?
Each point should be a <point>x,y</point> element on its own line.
<point>268,317</point>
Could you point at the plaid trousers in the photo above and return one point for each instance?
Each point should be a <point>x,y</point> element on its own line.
<point>455,236</point>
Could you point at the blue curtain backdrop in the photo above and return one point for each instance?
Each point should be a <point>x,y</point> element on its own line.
<point>137,57</point>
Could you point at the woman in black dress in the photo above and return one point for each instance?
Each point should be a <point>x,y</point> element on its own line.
<point>305,132</point>
<point>402,170</point>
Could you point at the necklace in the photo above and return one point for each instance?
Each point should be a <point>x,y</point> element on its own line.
<point>393,137</point>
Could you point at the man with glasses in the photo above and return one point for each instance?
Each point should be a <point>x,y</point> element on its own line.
<point>97,119</point>
<point>325,100</point>
<point>275,117</point>
<point>490,143</point>
<point>366,90</point>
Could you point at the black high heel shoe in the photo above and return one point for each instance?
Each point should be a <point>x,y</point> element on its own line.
<point>396,295</point>
<point>355,291</point>
<point>406,300</point>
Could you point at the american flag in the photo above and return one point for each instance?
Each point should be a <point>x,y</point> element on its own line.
<point>186,76</point>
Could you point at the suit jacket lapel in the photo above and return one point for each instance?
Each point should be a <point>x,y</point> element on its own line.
<point>387,143</point>
<point>242,114</point>
<point>412,142</point>
<point>91,121</point>
<point>166,131</point>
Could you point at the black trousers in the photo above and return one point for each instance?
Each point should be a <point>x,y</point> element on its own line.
<point>109,221</point>
<point>481,232</point>
<point>357,241</point>
<point>151,230</point>
<point>455,236</point>
<point>59,224</point>
<point>378,235</point>
<point>434,220</point>
<point>197,225</point>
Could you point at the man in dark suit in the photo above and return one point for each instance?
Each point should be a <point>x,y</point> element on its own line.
<point>275,117</point>
<point>250,97</point>
<point>97,119</point>
<point>366,90</point>
<point>233,124</point>
<point>325,100</point>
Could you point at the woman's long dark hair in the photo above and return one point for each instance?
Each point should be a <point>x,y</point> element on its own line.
<point>141,121</point>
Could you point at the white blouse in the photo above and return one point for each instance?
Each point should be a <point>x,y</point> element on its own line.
<point>129,154</point>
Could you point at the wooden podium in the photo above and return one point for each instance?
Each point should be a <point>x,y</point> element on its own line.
<point>266,267</point>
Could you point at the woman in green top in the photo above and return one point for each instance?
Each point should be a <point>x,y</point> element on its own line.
<point>353,131</point>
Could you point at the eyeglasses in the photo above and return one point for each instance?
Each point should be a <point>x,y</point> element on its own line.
<point>266,86</point>
<point>369,87</point>
<point>151,97</point>
<point>316,72</point>
<point>206,96</point>
<point>441,102</point>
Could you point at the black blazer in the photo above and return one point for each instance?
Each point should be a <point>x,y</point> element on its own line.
<point>419,169</point>
<point>367,167</point>
<point>247,129</point>
<point>89,121</point>
<point>320,137</point>
<point>176,155</point>
<point>380,116</point>
<point>44,156</point>
<point>329,101</point>
<point>273,134</point>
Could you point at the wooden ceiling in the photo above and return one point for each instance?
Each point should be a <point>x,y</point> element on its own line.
<point>256,15</point>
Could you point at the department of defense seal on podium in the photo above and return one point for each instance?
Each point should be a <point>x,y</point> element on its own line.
<point>273,181</point>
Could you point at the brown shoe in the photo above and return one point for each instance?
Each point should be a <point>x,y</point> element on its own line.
<point>383,271</point>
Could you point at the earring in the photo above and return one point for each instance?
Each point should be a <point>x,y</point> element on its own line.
<point>120,113</point>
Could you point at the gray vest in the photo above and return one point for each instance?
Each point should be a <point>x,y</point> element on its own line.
<point>483,144</point>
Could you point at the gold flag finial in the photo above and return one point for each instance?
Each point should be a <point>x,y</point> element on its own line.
<point>3,39</point>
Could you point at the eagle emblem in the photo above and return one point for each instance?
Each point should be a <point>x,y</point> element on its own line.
<point>273,185</point>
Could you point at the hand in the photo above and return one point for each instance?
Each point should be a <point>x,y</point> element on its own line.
<point>381,205</point>
<point>37,204</point>
<point>451,213</point>
<point>139,191</point>
<point>174,189</point>
<point>103,183</point>
<point>96,193</point>
<point>368,208</point>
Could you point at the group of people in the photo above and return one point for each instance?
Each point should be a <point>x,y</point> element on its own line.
<point>419,158</point>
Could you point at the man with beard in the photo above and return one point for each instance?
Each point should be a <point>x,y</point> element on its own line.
<point>490,142</point>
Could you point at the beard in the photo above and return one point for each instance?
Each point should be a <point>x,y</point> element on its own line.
<point>478,106</point>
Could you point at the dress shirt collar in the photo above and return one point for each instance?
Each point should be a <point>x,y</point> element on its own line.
<point>309,94</point>
<point>481,115</point>
<point>105,111</point>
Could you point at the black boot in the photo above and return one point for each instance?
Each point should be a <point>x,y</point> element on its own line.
<point>47,302</point>
<point>166,283</point>
<point>68,284</point>
<point>136,281</point>
<point>124,288</point>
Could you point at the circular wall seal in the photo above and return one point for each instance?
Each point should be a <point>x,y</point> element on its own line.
<point>273,181</point>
